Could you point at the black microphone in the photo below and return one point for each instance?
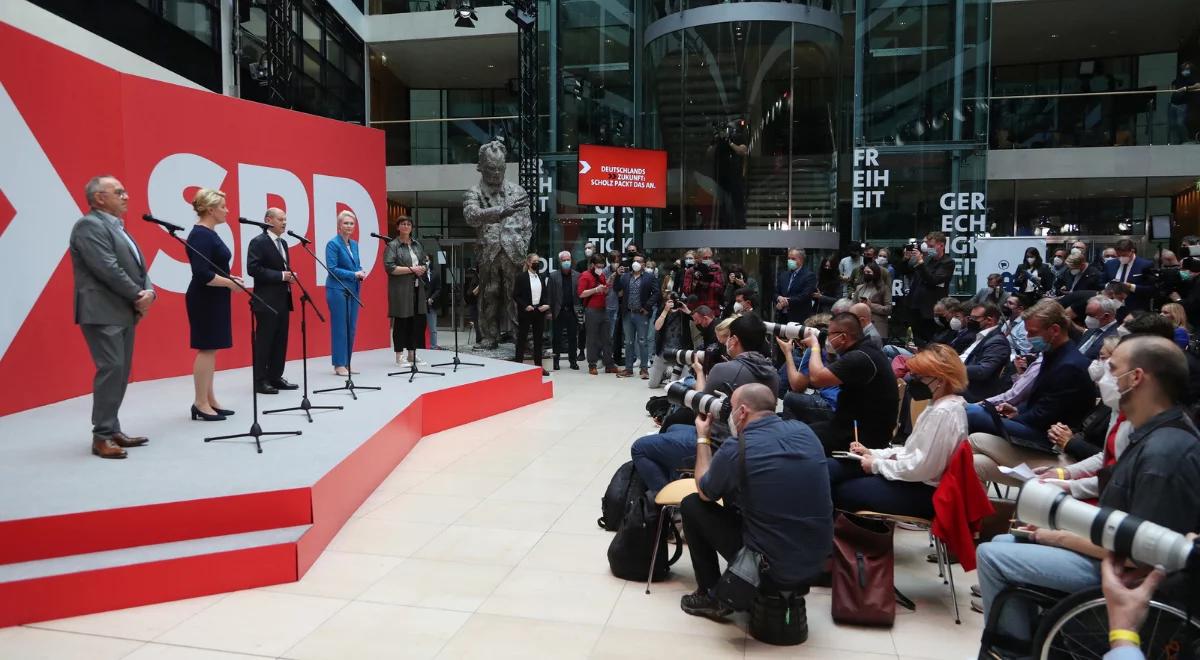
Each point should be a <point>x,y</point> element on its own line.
<point>298,237</point>
<point>162,223</point>
<point>385,239</point>
<point>261,225</point>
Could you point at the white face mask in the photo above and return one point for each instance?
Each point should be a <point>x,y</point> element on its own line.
<point>637,265</point>
<point>689,261</point>
<point>1075,271</point>
<point>652,271</point>
<point>1125,260</point>
<point>1091,322</point>
<point>882,261</point>
<point>1058,261</point>
<point>1096,369</point>
<point>1110,390</point>
<point>737,308</point>
<point>956,324</point>
<point>1031,260</point>
<point>734,431</point>
<point>589,252</point>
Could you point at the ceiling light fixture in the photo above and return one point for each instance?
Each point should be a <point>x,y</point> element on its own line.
<point>464,14</point>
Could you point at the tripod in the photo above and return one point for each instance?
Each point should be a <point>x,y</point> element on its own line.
<point>305,405</point>
<point>255,431</point>
<point>346,295</point>
<point>454,320</point>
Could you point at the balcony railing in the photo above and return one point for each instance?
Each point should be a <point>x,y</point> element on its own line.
<point>406,6</point>
<point>451,141</point>
<point>1090,119</point>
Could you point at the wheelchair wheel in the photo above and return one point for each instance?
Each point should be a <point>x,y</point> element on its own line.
<point>1077,628</point>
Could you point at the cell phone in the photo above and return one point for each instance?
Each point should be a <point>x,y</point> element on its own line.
<point>845,456</point>
<point>1021,534</point>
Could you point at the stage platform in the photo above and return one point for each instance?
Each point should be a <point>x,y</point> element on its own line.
<point>180,517</point>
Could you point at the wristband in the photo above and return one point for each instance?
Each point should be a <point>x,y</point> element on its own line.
<point>1121,635</point>
<point>703,441</point>
<point>1062,474</point>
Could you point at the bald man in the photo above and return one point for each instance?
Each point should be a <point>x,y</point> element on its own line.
<point>870,334</point>
<point>267,261</point>
<point>792,528</point>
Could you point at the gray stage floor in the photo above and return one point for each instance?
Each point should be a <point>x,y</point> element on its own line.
<point>48,468</point>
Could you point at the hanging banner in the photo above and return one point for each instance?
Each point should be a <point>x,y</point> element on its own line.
<point>617,176</point>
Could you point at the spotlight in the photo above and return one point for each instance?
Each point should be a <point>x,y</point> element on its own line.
<point>464,14</point>
<point>524,16</point>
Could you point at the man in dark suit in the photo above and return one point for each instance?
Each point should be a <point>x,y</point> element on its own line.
<point>930,271</point>
<point>1079,276</point>
<point>563,283</point>
<point>1130,269</point>
<point>112,293</point>
<point>268,263</point>
<point>987,357</point>
<point>1101,322</point>
<point>794,288</point>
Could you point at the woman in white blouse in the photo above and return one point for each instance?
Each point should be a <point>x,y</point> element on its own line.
<point>901,480</point>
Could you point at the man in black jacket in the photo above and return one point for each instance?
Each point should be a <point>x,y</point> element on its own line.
<point>268,263</point>
<point>930,271</point>
<point>532,297</point>
<point>794,289</point>
<point>1079,276</point>
<point>987,357</point>
<point>563,283</point>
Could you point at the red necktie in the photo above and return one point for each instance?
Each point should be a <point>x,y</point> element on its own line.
<point>1110,445</point>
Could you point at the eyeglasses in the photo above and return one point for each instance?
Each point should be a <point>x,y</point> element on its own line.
<point>119,192</point>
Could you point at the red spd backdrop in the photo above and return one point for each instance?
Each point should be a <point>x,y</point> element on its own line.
<point>65,118</point>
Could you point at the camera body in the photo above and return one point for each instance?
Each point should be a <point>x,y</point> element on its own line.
<point>713,405</point>
<point>703,272</point>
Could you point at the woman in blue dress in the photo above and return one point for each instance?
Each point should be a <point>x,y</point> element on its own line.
<point>207,300</point>
<point>341,255</point>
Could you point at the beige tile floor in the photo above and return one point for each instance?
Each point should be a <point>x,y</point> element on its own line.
<point>483,544</point>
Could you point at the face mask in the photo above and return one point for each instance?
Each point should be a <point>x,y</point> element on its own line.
<point>1125,260</point>
<point>941,322</point>
<point>1031,260</point>
<point>882,261</point>
<point>1186,72</point>
<point>1185,275</point>
<point>1038,345</point>
<point>689,261</point>
<point>535,266</point>
<point>829,348</point>
<point>708,262</point>
<point>652,271</point>
<point>737,308</point>
<point>589,252</point>
<point>956,324</point>
<point>792,264</point>
<point>1110,390</point>
<point>973,325</point>
<point>566,265</point>
<point>1091,322</point>
<point>1006,311</point>
<point>1108,259</point>
<point>1058,261</point>
<point>1075,271</point>
<point>1096,370</point>
<point>599,270</point>
<point>733,426</point>
<point>637,266</point>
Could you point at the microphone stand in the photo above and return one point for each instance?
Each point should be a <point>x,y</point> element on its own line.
<point>454,321</point>
<point>346,295</point>
<point>305,404</point>
<point>412,371</point>
<point>255,431</point>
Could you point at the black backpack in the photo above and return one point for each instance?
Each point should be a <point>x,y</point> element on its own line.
<point>629,552</point>
<point>625,484</point>
<point>658,407</point>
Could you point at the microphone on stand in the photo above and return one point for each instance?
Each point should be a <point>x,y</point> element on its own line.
<point>262,225</point>
<point>298,237</point>
<point>171,227</point>
<point>385,239</point>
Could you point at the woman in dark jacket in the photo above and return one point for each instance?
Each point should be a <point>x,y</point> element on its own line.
<point>404,262</point>
<point>532,299</point>
<point>1033,277</point>
<point>829,285</point>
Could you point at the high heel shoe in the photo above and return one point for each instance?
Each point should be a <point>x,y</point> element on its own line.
<point>222,411</point>
<point>203,416</point>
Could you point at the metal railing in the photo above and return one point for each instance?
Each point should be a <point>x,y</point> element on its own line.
<point>450,141</point>
<point>407,6</point>
<point>1136,117</point>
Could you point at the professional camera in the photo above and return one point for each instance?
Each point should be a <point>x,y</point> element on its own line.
<point>703,271</point>
<point>714,405</point>
<point>709,357</point>
<point>1048,506</point>
<point>795,331</point>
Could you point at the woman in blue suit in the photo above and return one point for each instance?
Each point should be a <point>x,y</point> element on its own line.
<point>341,255</point>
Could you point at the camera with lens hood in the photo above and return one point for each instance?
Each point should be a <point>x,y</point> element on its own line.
<point>709,357</point>
<point>796,331</point>
<point>713,405</point>
<point>1127,536</point>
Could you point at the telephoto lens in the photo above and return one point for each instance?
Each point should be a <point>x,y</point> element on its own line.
<point>794,331</point>
<point>682,357</point>
<point>1048,506</point>
<point>699,402</point>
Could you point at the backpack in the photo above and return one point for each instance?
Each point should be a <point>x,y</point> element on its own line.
<point>629,552</point>
<point>658,407</point>
<point>625,484</point>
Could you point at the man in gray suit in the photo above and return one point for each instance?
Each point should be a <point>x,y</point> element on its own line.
<point>112,293</point>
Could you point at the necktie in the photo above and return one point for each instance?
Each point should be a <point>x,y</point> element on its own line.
<point>282,250</point>
<point>1124,272</point>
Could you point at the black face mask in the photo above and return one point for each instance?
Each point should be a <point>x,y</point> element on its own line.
<point>536,266</point>
<point>973,325</point>
<point>1007,312</point>
<point>941,322</point>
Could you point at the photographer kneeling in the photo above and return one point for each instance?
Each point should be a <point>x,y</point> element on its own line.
<point>656,457</point>
<point>1157,479</point>
<point>756,477</point>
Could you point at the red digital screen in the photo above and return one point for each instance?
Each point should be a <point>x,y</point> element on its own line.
<point>617,176</point>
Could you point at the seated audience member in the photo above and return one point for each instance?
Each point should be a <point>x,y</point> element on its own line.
<point>870,335</point>
<point>1156,479</point>
<point>1101,322</point>
<point>657,456</point>
<point>901,480</point>
<point>987,357</point>
<point>792,529</point>
<point>1063,392</point>
<point>1120,293</point>
<point>955,334</point>
<point>1099,442</point>
<point>868,395</point>
<point>1014,326</point>
<point>993,292</point>
<point>815,409</point>
<point>1182,331</point>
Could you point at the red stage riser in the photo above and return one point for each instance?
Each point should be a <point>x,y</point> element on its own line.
<point>328,505</point>
<point>76,594</point>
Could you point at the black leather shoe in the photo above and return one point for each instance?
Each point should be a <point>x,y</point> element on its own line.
<point>222,411</point>
<point>283,384</point>
<point>575,366</point>
<point>197,414</point>
<point>266,388</point>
